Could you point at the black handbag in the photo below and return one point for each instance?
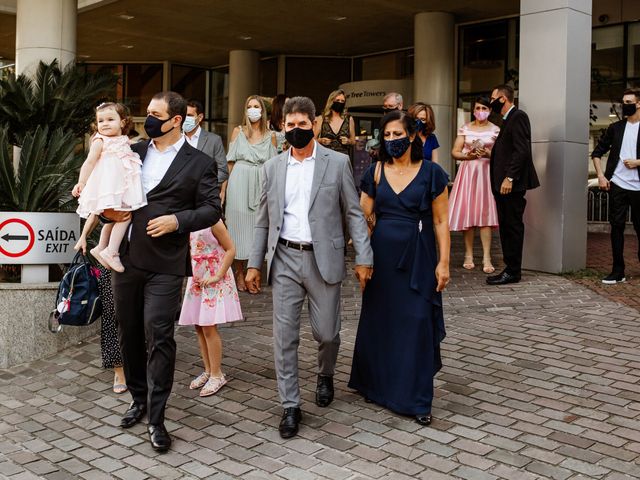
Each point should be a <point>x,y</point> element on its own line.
<point>78,300</point>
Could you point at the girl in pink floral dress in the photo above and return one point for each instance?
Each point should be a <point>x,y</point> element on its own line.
<point>211,298</point>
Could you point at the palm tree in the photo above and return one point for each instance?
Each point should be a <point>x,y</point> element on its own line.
<point>46,172</point>
<point>47,116</point>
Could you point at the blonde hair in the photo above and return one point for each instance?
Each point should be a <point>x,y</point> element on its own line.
<point>264,120</point>
<point>121,110</point>
<point>327,108</point>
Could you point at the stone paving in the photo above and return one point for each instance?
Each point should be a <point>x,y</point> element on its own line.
<point>540,382</point>
<point>599,265</point>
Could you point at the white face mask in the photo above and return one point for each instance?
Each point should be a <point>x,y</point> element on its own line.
<point>254,114</point>
<point>189,124</point>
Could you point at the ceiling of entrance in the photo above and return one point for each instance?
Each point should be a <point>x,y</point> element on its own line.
<point>203,31</point>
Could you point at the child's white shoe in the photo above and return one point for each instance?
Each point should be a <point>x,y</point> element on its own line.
<point>112,260</point>
<point>213,385</point>
<point>96,253</point>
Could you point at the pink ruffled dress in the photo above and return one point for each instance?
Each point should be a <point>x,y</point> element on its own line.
<point>213,304</point>
<point>116,180</point>
<point>471,203</point>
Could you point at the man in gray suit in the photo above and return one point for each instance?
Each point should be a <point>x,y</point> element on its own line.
<point>207,142</point>
<point>307,191</point>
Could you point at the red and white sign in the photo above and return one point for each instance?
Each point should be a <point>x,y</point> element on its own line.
<point>38,238</point>
<point>17,237</point>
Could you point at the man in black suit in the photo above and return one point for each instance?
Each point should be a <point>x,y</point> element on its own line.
<point>183,196</point>
<point>512,174</point>
<point>621,178</point>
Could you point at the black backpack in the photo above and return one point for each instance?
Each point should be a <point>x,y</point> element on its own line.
<point>78,300</point>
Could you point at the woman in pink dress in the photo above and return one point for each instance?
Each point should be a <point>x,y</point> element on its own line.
<point>211,298</point>
<point>471,203</point>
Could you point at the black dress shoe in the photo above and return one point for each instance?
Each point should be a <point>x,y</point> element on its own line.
<point>503,278</point>
<point>324,390</point>
<point>133,415</point>
<point>160,439</point>
<point>290,420</point>
<point>424,419</point>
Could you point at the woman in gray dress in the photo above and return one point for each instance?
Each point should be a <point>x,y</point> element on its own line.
<point>251,145</point>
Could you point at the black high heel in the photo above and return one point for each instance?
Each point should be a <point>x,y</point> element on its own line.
<point>424,419</point>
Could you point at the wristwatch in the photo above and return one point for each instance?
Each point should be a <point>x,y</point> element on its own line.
<point>510,179</point>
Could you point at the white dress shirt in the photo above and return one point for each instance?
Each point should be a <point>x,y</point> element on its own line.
<point>193,139</point>
<point>156,163</point>
<point>624,177</point>
<point>504,117</point>
<point>297,196</point>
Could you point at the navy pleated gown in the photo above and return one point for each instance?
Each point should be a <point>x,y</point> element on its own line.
<point>397,349</point>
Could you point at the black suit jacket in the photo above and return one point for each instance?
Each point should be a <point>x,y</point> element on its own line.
<point>190,191</point>
<point>511,154</point>
<point>611,142</point>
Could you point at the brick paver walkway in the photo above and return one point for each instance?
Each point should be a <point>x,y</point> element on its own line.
<point>599,265</point>
<point>540,381</point>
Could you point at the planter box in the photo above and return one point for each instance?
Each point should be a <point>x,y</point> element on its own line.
<point>24,332</point>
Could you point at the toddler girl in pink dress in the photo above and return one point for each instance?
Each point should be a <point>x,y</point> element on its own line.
<point>211,298</point>
<point>110,178</point>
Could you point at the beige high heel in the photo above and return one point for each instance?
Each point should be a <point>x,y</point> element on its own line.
<point>468,263</point>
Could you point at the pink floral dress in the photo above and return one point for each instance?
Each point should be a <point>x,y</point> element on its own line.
<point>216,303</point>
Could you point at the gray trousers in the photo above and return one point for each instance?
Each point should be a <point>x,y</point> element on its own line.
<point>294,275</point>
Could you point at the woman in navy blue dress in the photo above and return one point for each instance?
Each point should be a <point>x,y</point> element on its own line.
<point>425,125</point>
<point>397,349</point>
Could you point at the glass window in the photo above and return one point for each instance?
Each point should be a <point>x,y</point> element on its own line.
<point>269,77</point>
<point>395,65</point>
<point>219,107</point>
<point>190,82</point>
<point>142,82</point>
<point>117,95</point>
<point>607,52</point>
<point>633,55</point>
<point>316,77</point>
<point>483,56</point>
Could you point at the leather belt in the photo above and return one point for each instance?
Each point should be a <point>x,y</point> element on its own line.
<point>297,246</point>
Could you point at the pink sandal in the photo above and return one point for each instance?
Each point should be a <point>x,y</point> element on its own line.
<point>199,381</point>
<point>213,385</point>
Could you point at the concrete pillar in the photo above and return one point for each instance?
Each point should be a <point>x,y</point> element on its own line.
<point>243,81</point>
<point>434,81</point>
<point>555,64</point>
<point>282,74</point>
<point>45,29</point>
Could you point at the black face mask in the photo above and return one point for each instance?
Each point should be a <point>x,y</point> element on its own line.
<point>337,107</point>
<point>387,110</point>
<point>153,126</point>
<point>628,109</point>
<point>496,106</point>
<point>299,137</point>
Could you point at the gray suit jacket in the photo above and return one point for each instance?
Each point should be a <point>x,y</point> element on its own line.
<point>333,197</point>
<point>211,144</point>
